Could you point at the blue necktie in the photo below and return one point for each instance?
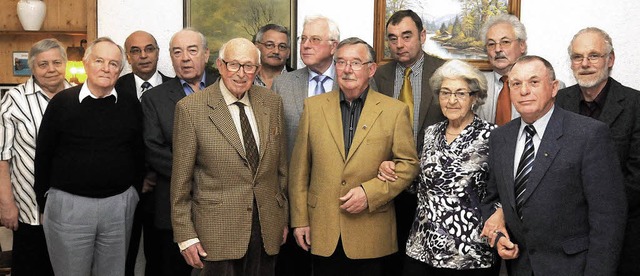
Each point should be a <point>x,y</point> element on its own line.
<point>146,86</point>
<point>524,168</point>
<point>320,79</point>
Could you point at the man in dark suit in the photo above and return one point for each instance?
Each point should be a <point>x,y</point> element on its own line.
<point>553,178</point>
<point>599,96</point>
<point>406,36</point>
<point>142,54</point>
<point>228,188</point>
<point>320,37</point>
<point>189,53</point>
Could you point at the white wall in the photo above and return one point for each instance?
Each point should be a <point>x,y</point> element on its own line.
<point>550,26</point>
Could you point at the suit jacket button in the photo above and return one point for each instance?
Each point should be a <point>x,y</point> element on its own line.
<point>344,182</point>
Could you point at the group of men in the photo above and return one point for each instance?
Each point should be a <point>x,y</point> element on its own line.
<point>227,171</point>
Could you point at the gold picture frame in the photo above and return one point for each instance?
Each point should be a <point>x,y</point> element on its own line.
<point>381,16</point>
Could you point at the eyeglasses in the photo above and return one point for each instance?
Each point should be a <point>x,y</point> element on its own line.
<point>460,95</point>
<point>235,66</point>
<point>593,58</point>
<point>491,45</point>
<point>314,40</point>
<point>137,51</point>
<point>270,45</point>
<point>355,65</point>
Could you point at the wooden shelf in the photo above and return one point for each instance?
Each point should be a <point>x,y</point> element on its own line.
<point>47,33</point>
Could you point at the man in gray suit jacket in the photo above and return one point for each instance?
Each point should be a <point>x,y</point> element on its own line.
<point>189,53</point>
<point>599,96</point>
<point>563,203</point>
<point>320,37</point>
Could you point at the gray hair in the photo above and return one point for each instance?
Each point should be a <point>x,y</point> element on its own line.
<point>272,27</point>
<point>458,69</point>
<point>518,27</point>
<point>546,63</point>
<point>602,33</point>
<point>354,41</point>
<point>43,46</point>
<point>237,41</point>
<point>89,50</point>
<point>203,39</point>
<point>334,31</point>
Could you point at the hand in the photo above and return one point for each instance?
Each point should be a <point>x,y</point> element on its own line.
<point>149,182</point>
<point>387,171</point>
<point>355,201</point>
<point>506,249</point>
<point>303,237</point>
<point>9,215</point>
<point>494,224</point>
<point>192,255</point>
<point>285,233</point>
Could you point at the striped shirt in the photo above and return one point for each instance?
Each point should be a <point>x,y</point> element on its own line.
<point>416,85</point>
<point>21,110</point>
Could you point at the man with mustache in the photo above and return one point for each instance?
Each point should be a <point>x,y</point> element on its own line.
<point>142,54</point>
<point>599,96</point>
<point>273,41</point>
<point>340,211</point>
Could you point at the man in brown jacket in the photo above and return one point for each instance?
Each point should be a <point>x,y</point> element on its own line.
<point>228,186</point>
<point>339,209</point>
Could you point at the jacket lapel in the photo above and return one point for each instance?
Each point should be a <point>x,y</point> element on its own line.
<point>261,114</point>
<point>549,147</point>
<point>221,118</point>
<point>612,107</point>
<point>333,118</point>
<point>508,156</point>
<point>301,80</point>
<point>177,92</point>
<point>370,113</point>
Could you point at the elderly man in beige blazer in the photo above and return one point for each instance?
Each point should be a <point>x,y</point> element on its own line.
<point>228,186</point>
<point>339,209</point>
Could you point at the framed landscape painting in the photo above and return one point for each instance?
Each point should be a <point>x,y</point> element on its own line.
<point>221,21</point>
<point>453,26</point>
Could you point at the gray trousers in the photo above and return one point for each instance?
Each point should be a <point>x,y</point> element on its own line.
<point>88,236</point>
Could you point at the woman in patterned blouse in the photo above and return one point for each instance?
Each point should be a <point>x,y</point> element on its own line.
<point>445,235</point>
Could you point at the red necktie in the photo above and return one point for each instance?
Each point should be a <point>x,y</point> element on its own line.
<point>503,108</point>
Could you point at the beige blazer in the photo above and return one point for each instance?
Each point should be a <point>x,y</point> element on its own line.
<point>212,187</point>
<point>320,173</point>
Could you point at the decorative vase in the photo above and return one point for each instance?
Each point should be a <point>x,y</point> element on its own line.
<point>31,14</point>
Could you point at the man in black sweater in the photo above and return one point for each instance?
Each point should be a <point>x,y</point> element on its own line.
<point>90,156</point>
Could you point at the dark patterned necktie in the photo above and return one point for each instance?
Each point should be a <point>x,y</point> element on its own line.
<point>524,168</point>
<point>250,147</point>
<point>145,86</point>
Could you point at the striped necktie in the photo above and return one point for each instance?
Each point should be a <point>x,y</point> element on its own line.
<point>524,168</point>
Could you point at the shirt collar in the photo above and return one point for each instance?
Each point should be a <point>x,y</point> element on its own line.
<point>155,80</point>
<point>540,125</point>
<point>202,84</point>
<point>330,72</point>
<point>31,82</point>
<point>414,67</point>
<point>602,96</point>
<point>84,92</point>
<point>230,99</point>
<point>363,95</point>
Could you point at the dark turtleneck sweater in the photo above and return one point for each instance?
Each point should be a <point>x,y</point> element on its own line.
<point>92,148</point>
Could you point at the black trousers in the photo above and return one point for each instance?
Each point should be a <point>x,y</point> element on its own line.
<point>143,223</point>
<point>256,262</point>
<point>414,267</point>
<point>293,260</point>
<point>406,204</point>
<point>339,264</point>
<point>29,254</point>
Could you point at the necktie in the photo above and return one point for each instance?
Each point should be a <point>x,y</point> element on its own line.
<point>406,94</point>
<point>524,168</point>
<point>250,147</point>
<point>503,108</point>
<point>320,79</point>
<point>146,86</point>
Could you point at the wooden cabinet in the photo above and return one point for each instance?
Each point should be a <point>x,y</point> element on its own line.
<point>69,21</point>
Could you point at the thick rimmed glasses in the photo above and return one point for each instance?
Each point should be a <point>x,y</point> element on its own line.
<point>234,66</point>
<point>355,65</point>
